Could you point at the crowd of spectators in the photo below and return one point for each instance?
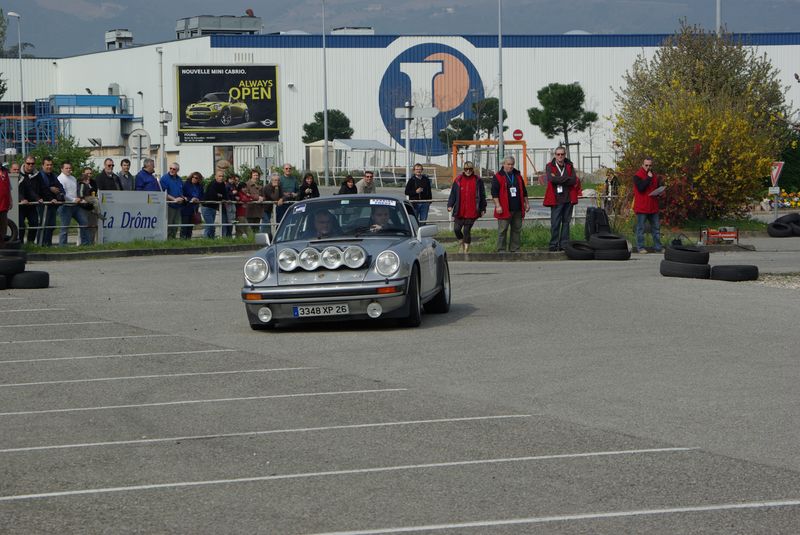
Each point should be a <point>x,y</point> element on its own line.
<point>241,206</point>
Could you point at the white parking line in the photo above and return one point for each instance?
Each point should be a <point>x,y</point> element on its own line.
<point>51,359</point>
<point>88,339</point>
<point>158,376</point>
<point>268,432</point>
<point>194,401</point>
<point>35,310</point>
<point>53,324</point>
<point>564,518</point>
<point>356,471</point>
<point>10,298</point>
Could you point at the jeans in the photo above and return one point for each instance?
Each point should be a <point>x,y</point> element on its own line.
<point>47,215</point>
<point>560,216</point>
<point>655,228</point>
<point>173,219</point>
<point>66,214</point>
<point>209,215</point>
<point>421,209</point>
<point>227,229</point>
<point>503,225</point>
<point>29,213</point>
<point>186,226</point>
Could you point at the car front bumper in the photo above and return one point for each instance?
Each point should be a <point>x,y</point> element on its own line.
<point>391,295</point>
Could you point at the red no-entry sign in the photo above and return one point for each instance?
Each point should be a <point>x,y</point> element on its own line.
<point>517,134</point>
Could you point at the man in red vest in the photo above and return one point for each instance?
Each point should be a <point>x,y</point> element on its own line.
<point>510,198</point>
<point>645,204</point>
<point>563,190</point>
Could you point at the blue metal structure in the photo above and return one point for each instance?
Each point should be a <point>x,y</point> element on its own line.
<point>46,123</point>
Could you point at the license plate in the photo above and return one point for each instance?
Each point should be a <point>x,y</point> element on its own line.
<point>320,310</point>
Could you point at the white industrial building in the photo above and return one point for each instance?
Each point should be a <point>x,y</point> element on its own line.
<point>368,76</point>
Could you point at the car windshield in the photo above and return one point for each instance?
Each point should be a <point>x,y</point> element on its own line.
<point>338,218</point>
<point>215,97</point>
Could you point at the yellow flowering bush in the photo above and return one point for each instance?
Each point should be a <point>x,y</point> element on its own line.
<point>712,132</point>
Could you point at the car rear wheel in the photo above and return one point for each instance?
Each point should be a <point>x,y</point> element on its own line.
<point>225,118</point>
<point>414,317</point>
<point>440,304</point>
<point>246,116</point>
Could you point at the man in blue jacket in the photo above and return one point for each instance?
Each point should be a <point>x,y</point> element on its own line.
<point>173,185</point>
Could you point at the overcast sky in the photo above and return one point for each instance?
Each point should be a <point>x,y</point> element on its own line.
<point>60,28</point>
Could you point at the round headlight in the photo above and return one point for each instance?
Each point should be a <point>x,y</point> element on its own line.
<point>309,259</point>
<point>287,259</point>
<point>354,257</point>
<point>256,270</point>
<point>332,257</point>
<point>387,263</point>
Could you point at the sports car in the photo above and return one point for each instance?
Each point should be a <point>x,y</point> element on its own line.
<point>345,257</point>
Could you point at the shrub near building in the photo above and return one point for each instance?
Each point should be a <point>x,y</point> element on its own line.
<point>712,115</point>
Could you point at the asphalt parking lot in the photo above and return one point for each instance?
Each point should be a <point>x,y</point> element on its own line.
<point>555,397</point>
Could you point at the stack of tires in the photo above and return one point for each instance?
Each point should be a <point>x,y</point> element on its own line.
<point>12,266</point>
<point>691,262</point>
<point>785,226</point>
<point>600,243</point>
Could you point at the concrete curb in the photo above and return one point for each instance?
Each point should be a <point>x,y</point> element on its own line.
<point>123,253</point>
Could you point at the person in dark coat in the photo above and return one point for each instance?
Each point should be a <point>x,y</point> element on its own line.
<point>308,188</point>
<point>348,186</point>
<point>418,188</point>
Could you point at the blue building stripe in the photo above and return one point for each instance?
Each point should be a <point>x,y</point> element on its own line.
<point>486,41</point>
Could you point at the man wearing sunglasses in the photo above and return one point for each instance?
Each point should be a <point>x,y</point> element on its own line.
<point>563,188</point>
<point>107,179</point>
<point>29,199</point>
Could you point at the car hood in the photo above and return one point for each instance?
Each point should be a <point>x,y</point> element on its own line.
<point>372,245</point>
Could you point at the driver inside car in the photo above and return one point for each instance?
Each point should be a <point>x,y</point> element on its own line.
<point>324,225</point>
<point>380,218</point>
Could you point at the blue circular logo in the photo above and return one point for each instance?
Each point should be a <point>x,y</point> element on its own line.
<point>428,76</point>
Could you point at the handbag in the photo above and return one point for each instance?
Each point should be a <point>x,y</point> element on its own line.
<point>196,219</point>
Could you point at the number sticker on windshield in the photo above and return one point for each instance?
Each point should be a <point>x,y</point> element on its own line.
<point>300,208</point>
<point>383,202</point>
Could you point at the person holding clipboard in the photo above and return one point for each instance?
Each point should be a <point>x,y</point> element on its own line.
<point>647,187</point>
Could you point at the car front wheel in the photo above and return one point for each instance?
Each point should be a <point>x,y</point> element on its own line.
<point>440,304</point>
<point>413,300</point>
<point>225,118</point>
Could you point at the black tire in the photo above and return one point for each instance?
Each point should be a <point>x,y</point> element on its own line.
<point>246,116</point>
<point>612,254</point>
<point>12,234</point>
<point>11,266</point>
<point>578,250</point>
<point>15,245</point>
<point>414,317</point>
<point>14,253</point>
<point>779,230</point>
<point>795,228</point>
<point>440,304</point>
<point>225,118</point>
<point>30,280</point>
<point>789,218</point>
<point>3,282</point>
<point>686,254</point>
<point>734,273</point>
<point>685,271</point>
<point>606,240</point>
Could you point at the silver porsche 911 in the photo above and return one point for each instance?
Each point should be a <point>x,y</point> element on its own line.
<point>349,256</point>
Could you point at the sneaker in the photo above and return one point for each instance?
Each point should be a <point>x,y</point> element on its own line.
<point>642,250</point>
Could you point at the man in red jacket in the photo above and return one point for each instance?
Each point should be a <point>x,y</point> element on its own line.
<point>563,189</point>
<point>5,204</point>
<point>510,198</point>
<point>645,204</point>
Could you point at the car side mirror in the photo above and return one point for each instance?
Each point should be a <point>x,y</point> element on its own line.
<point>262,238</point>
<point>427,231</point>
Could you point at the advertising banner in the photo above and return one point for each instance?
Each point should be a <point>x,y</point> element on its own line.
<point>227,104</point>
<point>132,215</point>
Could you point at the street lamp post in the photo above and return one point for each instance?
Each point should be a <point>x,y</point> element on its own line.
<point>21,99</point>
<point>500,147</point>
<point>325,97</point>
